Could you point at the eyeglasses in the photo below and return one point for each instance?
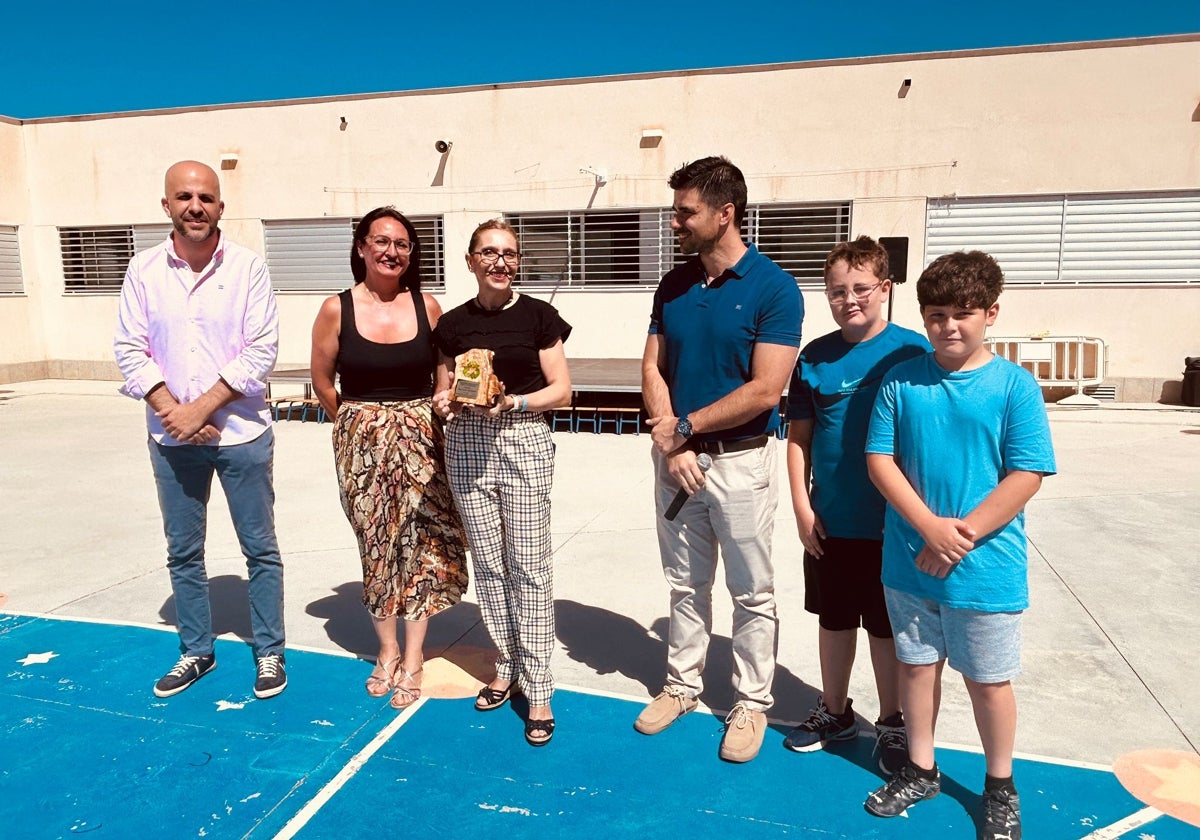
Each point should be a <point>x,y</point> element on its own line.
<point>491,255</point>
<point>382,243</point>
<point>859,293</point>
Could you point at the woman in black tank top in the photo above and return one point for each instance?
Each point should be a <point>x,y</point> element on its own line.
<point>388,446</point>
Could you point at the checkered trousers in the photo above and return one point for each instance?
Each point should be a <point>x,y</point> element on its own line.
<point>501,470</point>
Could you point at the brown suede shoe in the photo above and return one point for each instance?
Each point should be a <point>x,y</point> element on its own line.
<point>665,709</point>
<point>744,730</point>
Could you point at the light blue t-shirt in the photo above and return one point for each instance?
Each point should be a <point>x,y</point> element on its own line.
<point>955,435</point>
<point>834,384</point>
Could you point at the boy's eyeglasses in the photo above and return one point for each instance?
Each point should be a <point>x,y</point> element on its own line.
<point>382,243</point>
<point>859,293</point>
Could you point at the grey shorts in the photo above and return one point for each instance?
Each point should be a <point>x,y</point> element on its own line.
<point>985,647</point>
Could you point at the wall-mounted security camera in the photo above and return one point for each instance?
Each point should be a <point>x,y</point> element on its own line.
<point>442,146</point>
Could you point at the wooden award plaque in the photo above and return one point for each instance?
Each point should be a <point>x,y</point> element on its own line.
<point>474,381</point>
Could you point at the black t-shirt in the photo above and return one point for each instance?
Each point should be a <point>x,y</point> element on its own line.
<point>514,334</point>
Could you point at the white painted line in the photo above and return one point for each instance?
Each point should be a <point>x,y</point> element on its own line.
<point>1120,828</point>
<point>947,745</point>
<point>344,775</point>
<point>972,748</point>
<point>83,620</point>
<point>166,628</point>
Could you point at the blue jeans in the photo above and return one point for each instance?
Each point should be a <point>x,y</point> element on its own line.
<point>184,478</point>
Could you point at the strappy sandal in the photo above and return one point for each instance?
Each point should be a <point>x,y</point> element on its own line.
<point>544,726</point>
<point>489,698</point>
<point>378,685</point>
<point>404,696</point>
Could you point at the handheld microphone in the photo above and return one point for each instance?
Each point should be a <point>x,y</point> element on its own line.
<point>704,462</point>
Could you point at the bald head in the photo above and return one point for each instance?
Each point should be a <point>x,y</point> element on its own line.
<point>192,199</point>
<point>190,170</point>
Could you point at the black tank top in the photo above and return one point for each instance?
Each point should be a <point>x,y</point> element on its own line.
<point>374,372</point>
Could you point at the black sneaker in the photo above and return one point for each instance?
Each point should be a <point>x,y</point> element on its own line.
<point>822,726</point>
<point>906,788</point>
<point>186,671</point>
<point>891,743</point>
<point>1001,815</point>
<point>272,678</point>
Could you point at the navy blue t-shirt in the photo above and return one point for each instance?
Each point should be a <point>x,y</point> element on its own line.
<point>709,331</point>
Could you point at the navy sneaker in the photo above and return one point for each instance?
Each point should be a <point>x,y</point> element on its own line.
<point>891,744</point>
<point>905,788</point>
<point>1001,815</point>
<point>186,671</point>
<point>821,727</point>
<point>272,678</point>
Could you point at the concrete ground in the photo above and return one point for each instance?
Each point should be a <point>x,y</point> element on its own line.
<point>1113,548</point>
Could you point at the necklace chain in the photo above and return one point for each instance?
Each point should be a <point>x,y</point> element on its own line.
<point>506,302</point>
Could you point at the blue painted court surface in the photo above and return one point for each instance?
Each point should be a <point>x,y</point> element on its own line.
<point>89,750</point>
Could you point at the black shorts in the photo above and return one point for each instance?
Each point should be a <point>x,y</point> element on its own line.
<point>842,587</point>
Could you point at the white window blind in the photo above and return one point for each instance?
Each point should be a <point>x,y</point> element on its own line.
<point>1075,239</point>
<point>147,236</point>
<point>313,255</point>
<point>309,255</point>
<point>10,262</point>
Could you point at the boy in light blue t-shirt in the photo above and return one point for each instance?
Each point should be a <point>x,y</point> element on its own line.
<point>958,444</point>
<point>839,513</point>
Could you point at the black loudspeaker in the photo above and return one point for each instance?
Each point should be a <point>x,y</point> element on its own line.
<point>897,251</point>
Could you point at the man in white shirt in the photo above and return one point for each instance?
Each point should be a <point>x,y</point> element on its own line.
<point>197,336</point>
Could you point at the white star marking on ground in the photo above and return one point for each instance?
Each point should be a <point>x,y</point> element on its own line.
<point>38,658</point>
<point>225,705</point>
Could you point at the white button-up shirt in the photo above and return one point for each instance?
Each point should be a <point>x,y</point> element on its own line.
<point>188,329</point>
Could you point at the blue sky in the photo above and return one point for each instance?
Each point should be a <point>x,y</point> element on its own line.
<point>77,57</point>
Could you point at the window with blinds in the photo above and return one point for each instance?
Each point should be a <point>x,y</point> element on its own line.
<point>1125,239</point>
<point>95,258</point>
<point>622,249</point>
<point>607,249</point>
<point>313,255</point>
<point>798,236</point>
<point>10,262</point>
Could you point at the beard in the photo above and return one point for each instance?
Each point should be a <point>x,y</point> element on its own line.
<point>191,234</point>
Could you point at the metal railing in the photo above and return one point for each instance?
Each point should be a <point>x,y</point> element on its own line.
<point>1057,360</point>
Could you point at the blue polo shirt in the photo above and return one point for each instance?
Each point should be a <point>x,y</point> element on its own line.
<point>709,332</point>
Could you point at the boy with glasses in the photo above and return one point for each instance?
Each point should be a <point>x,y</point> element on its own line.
<point>839,512</point>
<point>958,444</point>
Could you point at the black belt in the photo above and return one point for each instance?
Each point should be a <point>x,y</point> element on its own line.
<point>724,447</point>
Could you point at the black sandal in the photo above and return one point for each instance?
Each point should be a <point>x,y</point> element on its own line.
<point>546,726</point>
<point>489,698</point>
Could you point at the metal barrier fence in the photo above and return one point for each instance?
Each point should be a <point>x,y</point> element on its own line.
<point>1056,360</point>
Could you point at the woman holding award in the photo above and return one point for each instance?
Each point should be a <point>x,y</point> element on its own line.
<point>500,461</point>
<point>388,447</point>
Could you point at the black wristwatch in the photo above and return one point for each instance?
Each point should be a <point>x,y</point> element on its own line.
<point>684,428</point>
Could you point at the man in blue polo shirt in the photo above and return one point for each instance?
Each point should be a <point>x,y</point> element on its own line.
<point>724,333</point>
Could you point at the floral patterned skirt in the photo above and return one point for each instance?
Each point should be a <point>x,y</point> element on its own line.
<point>392,479</point>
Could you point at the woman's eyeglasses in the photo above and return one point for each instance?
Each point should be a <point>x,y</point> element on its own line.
<point>491,255</point>
<point>382,243</point>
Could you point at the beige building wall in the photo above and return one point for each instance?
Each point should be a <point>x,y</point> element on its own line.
<point>23,349</point>
<point>1117,118</point>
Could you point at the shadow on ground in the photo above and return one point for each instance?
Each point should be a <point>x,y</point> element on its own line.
<point>608,643</point>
